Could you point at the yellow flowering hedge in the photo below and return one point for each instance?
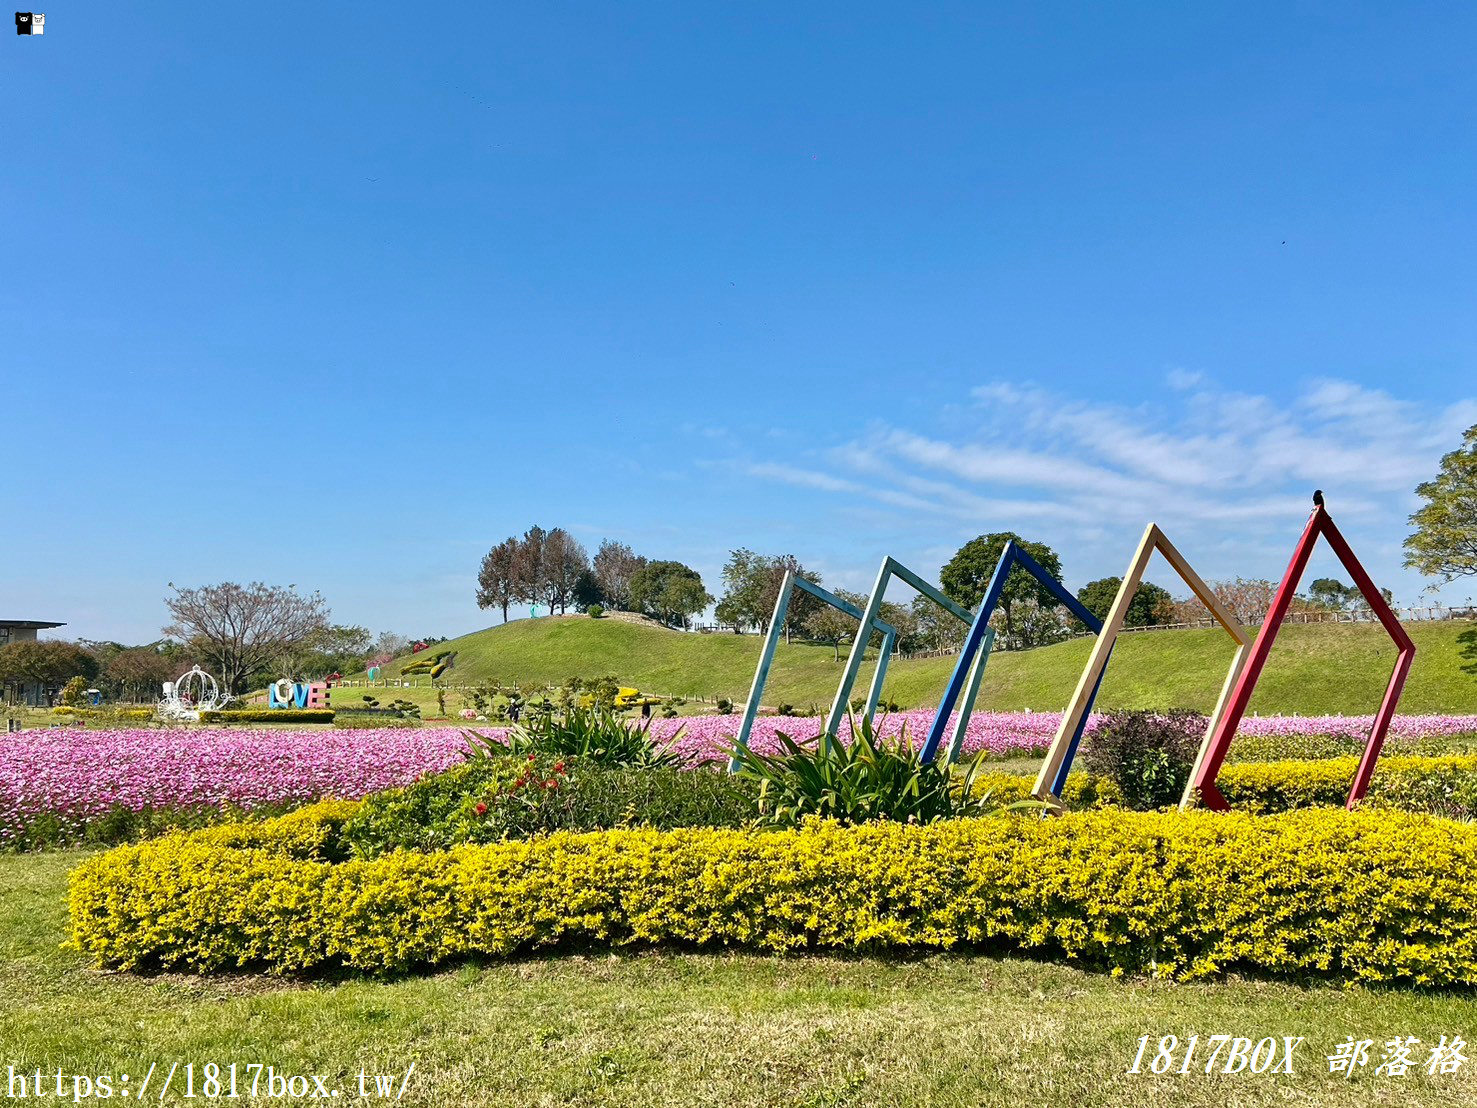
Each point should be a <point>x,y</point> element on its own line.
<point>1375,896</point>
<point>1445,784</point>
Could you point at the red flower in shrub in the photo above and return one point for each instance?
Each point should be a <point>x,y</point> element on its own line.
<point>481,809</point>
<point>559,766</point>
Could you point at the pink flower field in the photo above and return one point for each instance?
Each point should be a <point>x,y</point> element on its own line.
<point>76,776</point>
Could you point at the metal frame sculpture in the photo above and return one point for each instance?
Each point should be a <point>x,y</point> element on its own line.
<point>1011,557</point>
<point>1202,779</point>
<point>1075,716</point>
<point>890,568</point>
<point>788,586</point>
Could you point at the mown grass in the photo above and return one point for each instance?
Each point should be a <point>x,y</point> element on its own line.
<point>1314,669</point>
<point>667,1028</point>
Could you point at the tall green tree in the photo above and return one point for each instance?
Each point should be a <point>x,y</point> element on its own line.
<point>967,575</point>
<point>1444,544</point>
<point>751,586</point>
<point>670,592</point>
<point>1150,604</point>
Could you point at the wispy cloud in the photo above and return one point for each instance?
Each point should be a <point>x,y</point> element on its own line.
<point>1230,472</point>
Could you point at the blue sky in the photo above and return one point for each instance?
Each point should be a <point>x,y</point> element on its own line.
<point>341,296</point>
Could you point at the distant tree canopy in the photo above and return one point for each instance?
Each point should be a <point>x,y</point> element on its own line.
<point>751,587</point>
<point>833,626</point>
<point>139,672</point>
<point>45,661</point>
<point>1150,604</point>
<point>967,575</point>
<point>670,592</point>
<point>614,566</point>
<point>244,631</point>
<point>1444,544</point>
<point>335,649</point>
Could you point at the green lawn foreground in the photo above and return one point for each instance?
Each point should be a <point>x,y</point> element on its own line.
<point>666,1028</point>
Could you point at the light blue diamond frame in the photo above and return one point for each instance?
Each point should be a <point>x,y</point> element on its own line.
<point>891,568</point>
<point>771,640</point>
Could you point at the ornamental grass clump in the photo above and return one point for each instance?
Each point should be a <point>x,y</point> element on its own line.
<point>594,734</point>
<point>871,778</point>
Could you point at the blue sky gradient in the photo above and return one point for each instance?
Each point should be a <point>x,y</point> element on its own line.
<point>342,296</point>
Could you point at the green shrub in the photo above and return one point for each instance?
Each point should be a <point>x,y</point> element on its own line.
<point>408,709</point>
<point>1148,755</point>
<point>268,715</point>
<point>1364,896</point>
<point>495,798</point>
<point>866,779</point>
<point>595,611</point>
<point>74,692</point>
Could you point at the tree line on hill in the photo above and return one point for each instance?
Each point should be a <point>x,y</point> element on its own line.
<point>554,569</point>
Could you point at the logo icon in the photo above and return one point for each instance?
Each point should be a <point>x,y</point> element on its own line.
<point>30,23</point>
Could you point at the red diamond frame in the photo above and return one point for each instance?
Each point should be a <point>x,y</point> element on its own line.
<point>1319,523</point>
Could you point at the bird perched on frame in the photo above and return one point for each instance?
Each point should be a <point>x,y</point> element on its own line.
<point>1317,498</point>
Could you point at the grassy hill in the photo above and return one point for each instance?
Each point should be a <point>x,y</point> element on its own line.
<point>1335,668</point>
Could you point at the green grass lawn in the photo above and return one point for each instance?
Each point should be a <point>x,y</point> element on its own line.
<point>1333,668</point>
<point>671,1028</point>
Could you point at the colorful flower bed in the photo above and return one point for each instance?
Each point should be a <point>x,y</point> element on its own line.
<point>69,779</point>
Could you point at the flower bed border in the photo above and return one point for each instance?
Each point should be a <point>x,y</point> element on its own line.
<point>1370,896</point>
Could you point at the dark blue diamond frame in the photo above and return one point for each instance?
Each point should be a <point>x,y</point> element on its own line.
<point>1012,557</point>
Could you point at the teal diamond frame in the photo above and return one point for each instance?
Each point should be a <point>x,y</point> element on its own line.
<point>771,640</point>
<point>891,568</point>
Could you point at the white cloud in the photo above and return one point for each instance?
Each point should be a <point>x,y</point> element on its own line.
<point>1182,380</point>
<point>1230,473</point>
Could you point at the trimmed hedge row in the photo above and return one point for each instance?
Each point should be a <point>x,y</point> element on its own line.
<point>268,715</point>
<point>1373,896</point>
<point>1445,785</point>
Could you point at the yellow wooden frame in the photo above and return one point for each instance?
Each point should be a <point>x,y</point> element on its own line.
<point>1154,539</point>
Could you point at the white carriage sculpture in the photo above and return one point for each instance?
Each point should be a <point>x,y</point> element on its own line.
<point>191,694</point>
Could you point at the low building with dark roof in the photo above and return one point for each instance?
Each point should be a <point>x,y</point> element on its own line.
<point>33,693</point>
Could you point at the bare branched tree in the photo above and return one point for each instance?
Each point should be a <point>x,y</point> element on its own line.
<point>240,629</point>
<point>497,578</point>
<point>563,562</point>
<point>615,565</point>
